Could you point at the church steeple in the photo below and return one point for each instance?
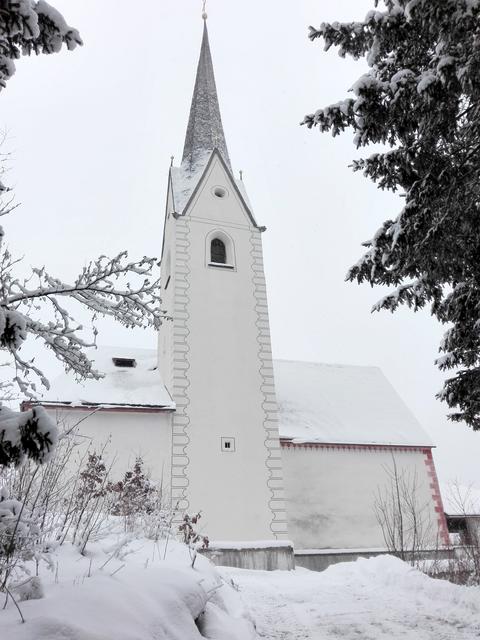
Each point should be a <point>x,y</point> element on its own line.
<point>215,354</point>
<point>205,130</point>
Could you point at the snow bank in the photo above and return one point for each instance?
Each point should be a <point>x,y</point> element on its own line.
<point>137,604</point>
<point>392,575</point>
<point>134,594</point>
<point>378,598</point>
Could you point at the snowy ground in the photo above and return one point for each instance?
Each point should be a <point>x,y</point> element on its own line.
<point>379,598</point>
<point>133,590</point>
<point>129,590</point>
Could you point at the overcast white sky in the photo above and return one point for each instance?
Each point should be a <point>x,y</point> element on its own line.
<point>92,132</point>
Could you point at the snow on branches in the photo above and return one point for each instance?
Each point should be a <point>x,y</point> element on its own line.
<point>17,535</point>
<point>100,287</point>
<point>28,26</point>
<point>24,434</point>
<point>39,306</point>
<point>421,98</point>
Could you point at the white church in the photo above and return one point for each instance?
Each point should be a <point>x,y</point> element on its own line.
<point>274,453</point>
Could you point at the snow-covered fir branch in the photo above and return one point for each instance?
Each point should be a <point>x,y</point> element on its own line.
<point>420,99</point>
<point>31,26</point>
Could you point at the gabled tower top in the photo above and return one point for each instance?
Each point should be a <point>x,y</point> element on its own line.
<point>205,130</point>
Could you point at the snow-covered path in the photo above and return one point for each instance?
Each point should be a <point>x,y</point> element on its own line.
<point>367,600</point>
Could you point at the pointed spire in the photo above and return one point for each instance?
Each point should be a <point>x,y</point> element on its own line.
<point>205,130</point>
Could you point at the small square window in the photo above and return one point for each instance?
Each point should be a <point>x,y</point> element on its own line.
<point>228,444</point>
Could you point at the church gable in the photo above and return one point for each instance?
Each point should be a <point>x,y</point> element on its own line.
<point>217,198</point>
<point>211,193</point>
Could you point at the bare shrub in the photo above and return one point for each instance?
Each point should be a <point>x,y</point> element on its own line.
<point>189,535</point>
<point>463,563</point>
<point>74,499</point>
<point>134,495</point>
<point>41,506</point>
<point>405,521</point>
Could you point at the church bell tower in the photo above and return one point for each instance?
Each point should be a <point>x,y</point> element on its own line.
<point>215,353</point>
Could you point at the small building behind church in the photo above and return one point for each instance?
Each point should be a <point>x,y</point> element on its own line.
<point>271,452</point>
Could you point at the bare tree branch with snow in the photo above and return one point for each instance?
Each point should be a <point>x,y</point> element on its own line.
<point>28,26</point>
<point>39,305</point>
<point>101,287</point>
<point>36,306</point>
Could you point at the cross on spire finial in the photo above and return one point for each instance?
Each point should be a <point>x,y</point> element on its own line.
<point>204,13</point>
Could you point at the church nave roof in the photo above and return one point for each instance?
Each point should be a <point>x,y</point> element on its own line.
<point>318,403</point>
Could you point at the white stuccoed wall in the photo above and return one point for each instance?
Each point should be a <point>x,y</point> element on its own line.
<point>129,434</point>
<point>331,494</point>
<point>222,375</point>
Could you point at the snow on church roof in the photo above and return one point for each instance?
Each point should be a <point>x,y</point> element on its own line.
<point>317,402</point>
<point>138,386</point>
<point>185,179</point>
<point>342,404</point>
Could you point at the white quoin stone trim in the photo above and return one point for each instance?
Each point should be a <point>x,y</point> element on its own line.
<point>273,462</point>
<point>180,367</point>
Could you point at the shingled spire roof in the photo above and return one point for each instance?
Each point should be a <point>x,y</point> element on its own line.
<point>205,130</point>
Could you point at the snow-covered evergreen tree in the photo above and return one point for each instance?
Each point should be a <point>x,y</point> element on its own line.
<point>28,26</point>
<point>421,98</point>
<point>24,434</point>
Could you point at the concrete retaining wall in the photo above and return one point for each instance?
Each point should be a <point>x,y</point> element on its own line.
<point>319,561</point>
<point>265,559</point>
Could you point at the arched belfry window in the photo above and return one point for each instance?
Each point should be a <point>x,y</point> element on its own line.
<point>218,251</point>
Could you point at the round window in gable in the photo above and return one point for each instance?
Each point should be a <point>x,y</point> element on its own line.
<point>220,192</point>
